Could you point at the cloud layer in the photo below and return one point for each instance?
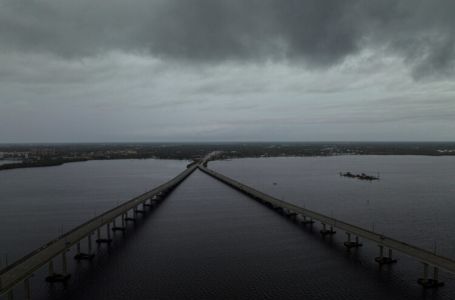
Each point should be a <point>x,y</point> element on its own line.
<point>201,70</point>
<point>317,33</point>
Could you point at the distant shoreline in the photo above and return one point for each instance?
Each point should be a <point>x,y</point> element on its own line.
<point>224,156</point>
<point>48,155</point>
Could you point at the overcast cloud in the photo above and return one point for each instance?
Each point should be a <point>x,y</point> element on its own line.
<point>202,70</point>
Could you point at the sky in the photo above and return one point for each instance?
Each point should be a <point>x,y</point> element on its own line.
<point>226,70</point>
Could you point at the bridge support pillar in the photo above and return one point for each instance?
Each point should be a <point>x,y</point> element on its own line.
<point>350,244</point>
<point>108,231</point>
<point>27,291</point>
<point>51,268</point>
<point>326,231</point>
<point>292,215</point>
<point>85,256</point>
<point>306,221</point>
<point>131,219</point>
<point>138,211</point>
<point>64,263</point>
<point>56,277</point>
<point>10,295</point>
<point>150,204</point>
<point>89,243</point>
<point>119,228</point>
<point>384,260</point>
<point>426,282</point>
<point>108,235</point>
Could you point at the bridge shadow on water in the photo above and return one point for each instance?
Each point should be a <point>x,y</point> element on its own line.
<point>208,241</point>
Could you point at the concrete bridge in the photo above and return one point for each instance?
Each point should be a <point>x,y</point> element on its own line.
<point>116,219</point>
<point>22,269</point>
<point>306,216</point>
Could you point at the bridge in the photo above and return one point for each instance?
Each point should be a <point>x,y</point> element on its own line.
<point>22,269</point>
<point>116,219</point>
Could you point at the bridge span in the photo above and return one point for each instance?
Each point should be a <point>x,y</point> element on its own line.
<point>353,232</point>
<point>22,269</point>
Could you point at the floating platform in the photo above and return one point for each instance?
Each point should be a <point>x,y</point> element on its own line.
<point>58,278</point>
<point>385,260</point>
<point>430,283</point>
<point>129,219</point>
<point>361,176</point>
<point>84,256</point>
<point>140,211</point>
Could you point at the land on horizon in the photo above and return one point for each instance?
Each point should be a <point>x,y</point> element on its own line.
<point>44,155</point>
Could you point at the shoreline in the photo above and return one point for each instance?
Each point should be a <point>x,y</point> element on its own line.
<point>60,162</point>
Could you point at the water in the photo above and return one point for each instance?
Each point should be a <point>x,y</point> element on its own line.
<point>413,201</point>
<point>38,204</point>
<point>207,241</point>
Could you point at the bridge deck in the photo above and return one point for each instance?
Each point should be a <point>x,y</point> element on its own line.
<point>24,267</point>
<point>410,250</point>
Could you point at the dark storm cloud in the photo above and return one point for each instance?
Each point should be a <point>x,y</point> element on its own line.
<point>316,32</point>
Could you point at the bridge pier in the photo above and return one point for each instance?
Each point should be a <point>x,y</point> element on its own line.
<point>130,219</point>
<point>426,282</point>
<point>326,231</point>
<point>108,235</point>
<point>119,228</point>
<point>139,211</point>
<point>85,256</point>
<point>27,290</point>
<point>306,221</point>
<point>278,209</point>
<point>150,204</point>
<point>123,220</point>
<point>350,244</point>
<point>10,295</point>
<point>89,242</point>
<point>293,215</point>
<point>384,260</point>
<point>58,277</point>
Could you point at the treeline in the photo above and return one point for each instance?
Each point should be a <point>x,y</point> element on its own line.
<point>57,154</point>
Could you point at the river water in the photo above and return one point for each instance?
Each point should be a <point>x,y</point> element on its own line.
<point>38,204</point>
<point>207,241</point>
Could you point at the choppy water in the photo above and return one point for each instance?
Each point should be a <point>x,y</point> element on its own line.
<point>207,241</point>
